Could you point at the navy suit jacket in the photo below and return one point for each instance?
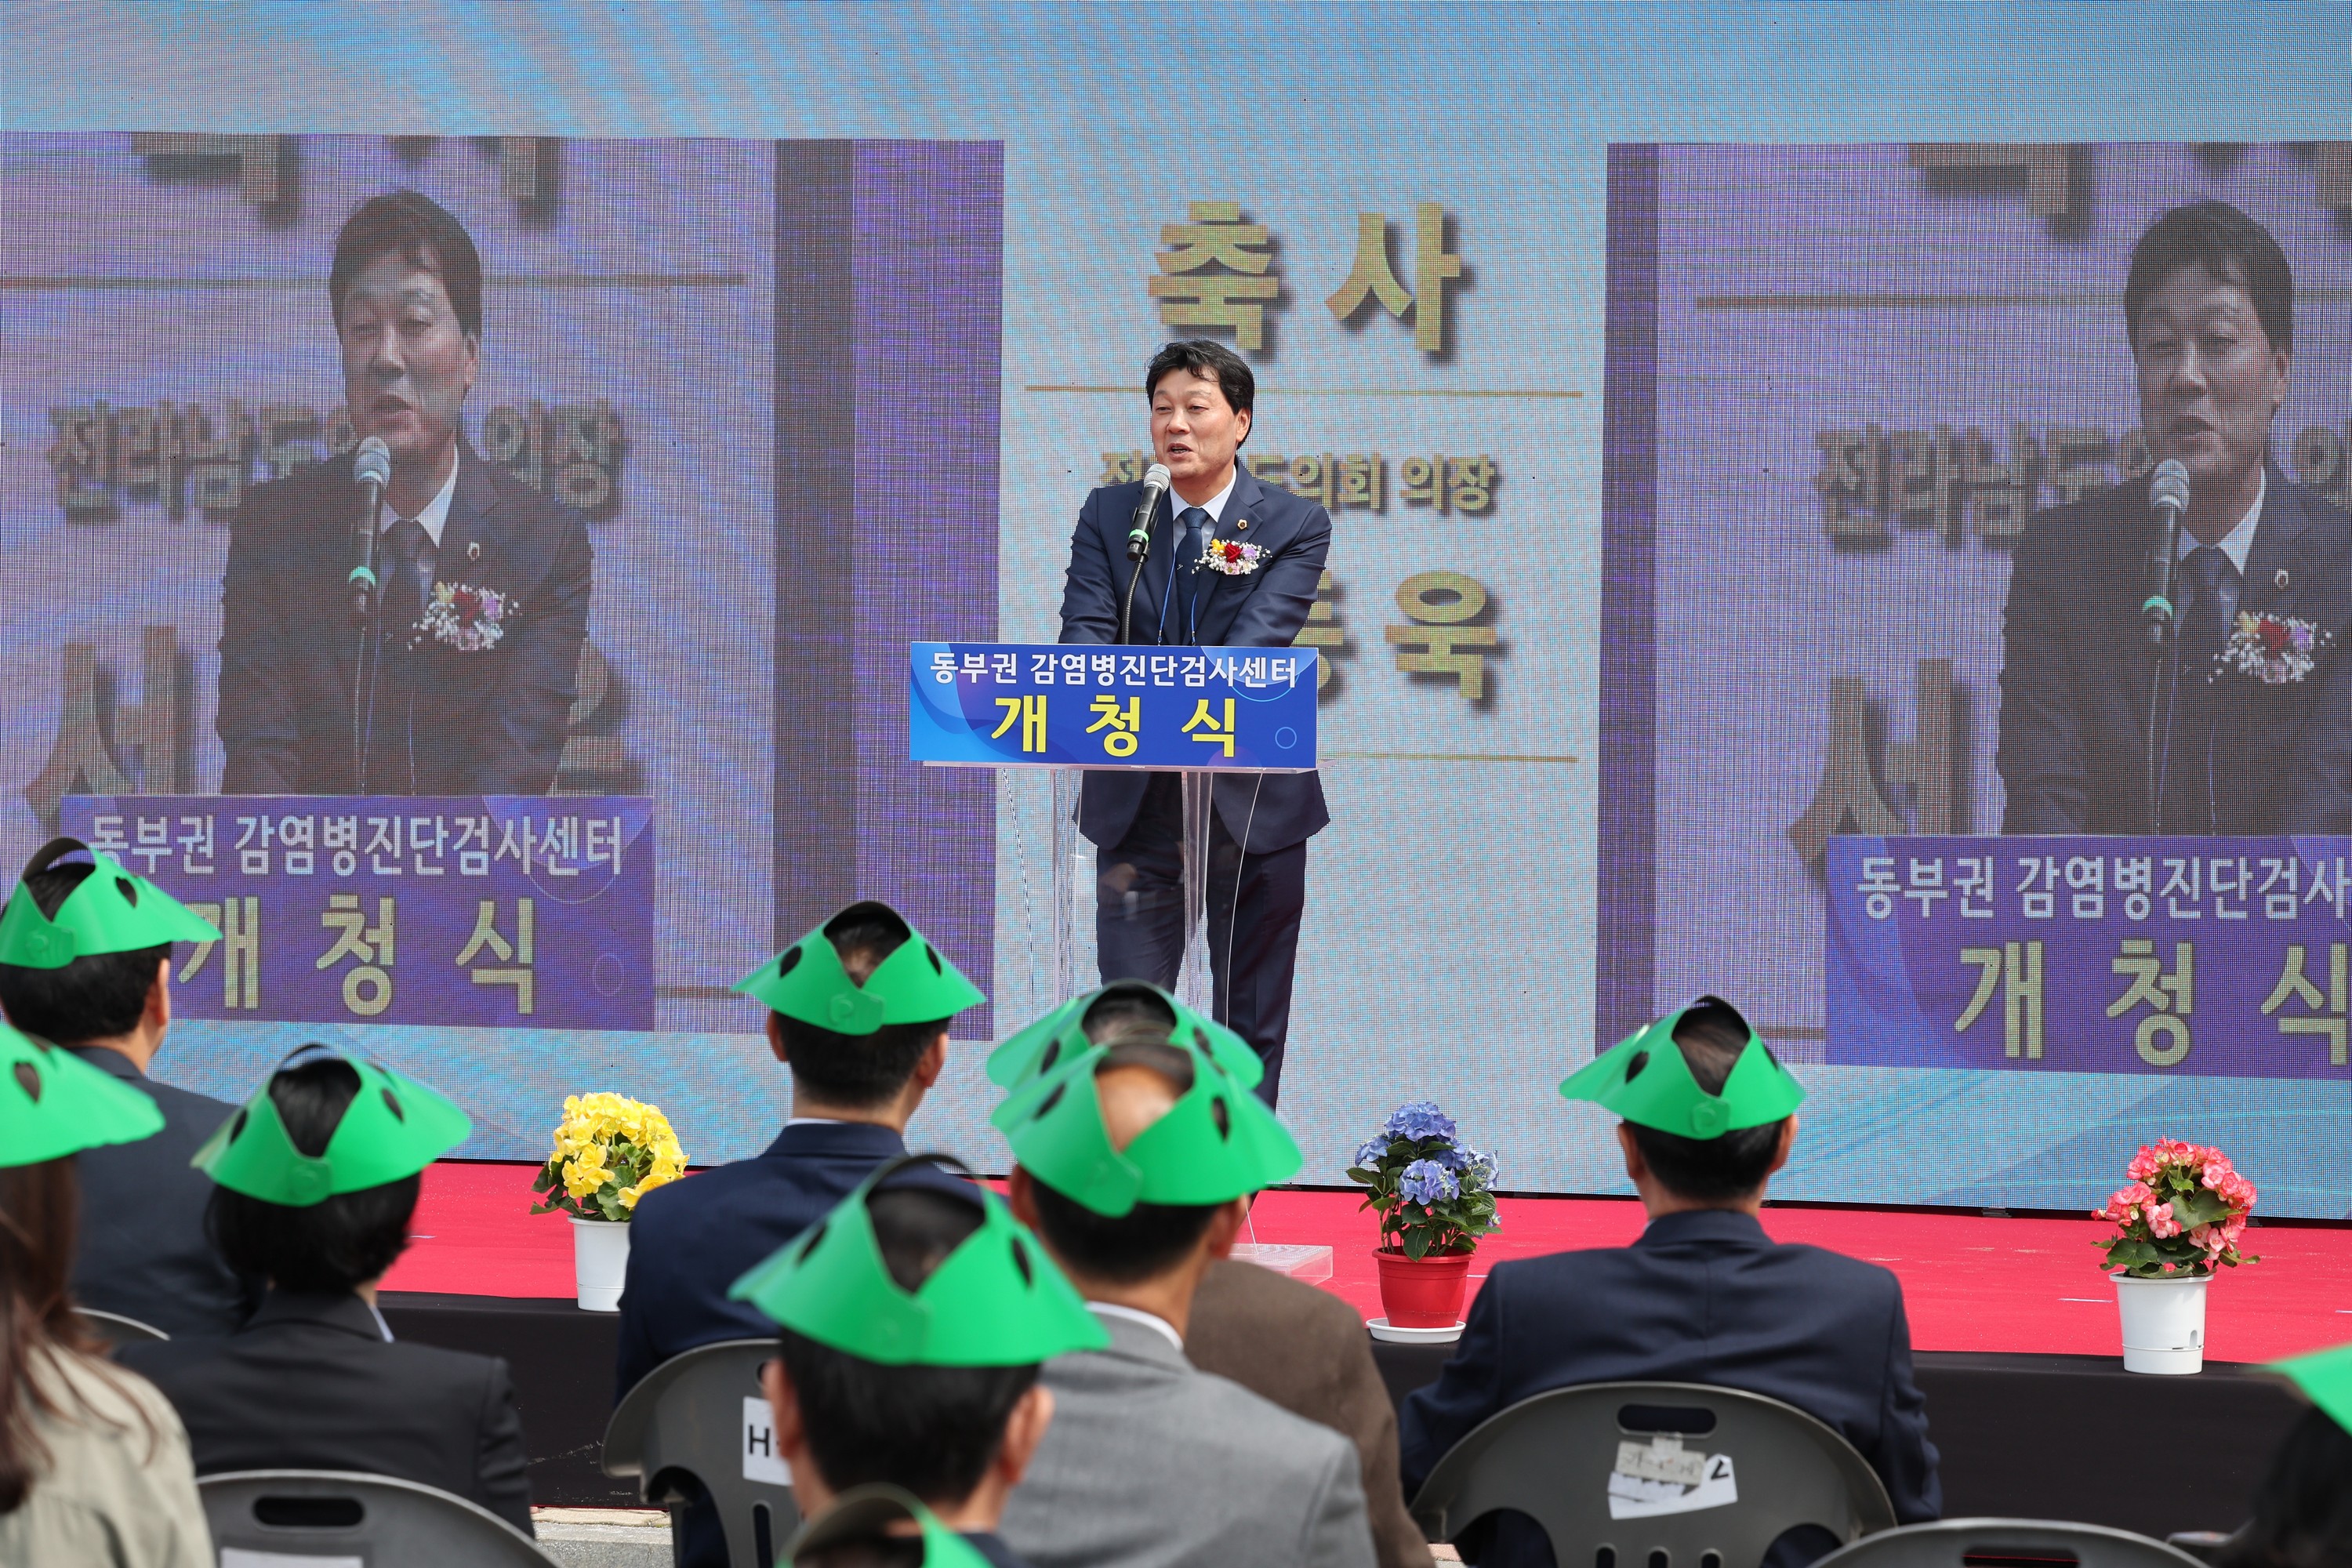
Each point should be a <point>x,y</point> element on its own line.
<point>311,1384</point>
<point>1264,608</point>
<point>2076,673</point>
<point>487,722</point>
<point>1703,1297</point>
<point>142,1251</point>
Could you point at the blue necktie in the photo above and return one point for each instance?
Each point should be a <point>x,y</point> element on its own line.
<point>2214,590</point>
<point>2214,587</point>
<point>1188,562</point>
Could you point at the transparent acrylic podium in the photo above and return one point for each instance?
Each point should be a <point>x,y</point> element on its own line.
<point>1076,964</point>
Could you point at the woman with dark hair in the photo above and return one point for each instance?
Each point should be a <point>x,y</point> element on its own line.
<point>93,1464</point>
<point>2302,1510</point>
<point>318,1177</point>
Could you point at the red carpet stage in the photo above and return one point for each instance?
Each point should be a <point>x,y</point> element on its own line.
<point>2017,1356</point>
<point>2018,1285</point>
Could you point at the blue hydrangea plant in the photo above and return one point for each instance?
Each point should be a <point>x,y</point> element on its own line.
<point>1433,1191</point>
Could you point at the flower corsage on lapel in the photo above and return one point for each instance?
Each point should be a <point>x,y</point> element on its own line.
<point>2277,651</point>
<point>464,618</point>
<point>1231,557</point>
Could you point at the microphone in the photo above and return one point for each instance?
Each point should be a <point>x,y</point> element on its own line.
<point>370,470</point>
<point>1139,534</point>
<point>2167,498</point>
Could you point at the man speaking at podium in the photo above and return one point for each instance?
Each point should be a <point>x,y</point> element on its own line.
<point>2254,742</point>
<point>473,647</point>
<point>1201,394</point>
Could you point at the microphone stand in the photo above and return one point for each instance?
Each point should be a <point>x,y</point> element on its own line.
<point>1137,550</point>
<point>2161,645</point>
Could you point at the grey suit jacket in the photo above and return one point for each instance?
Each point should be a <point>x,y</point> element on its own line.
<point>1151,1464</point>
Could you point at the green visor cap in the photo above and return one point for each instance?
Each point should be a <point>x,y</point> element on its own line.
<point>2326,1379</point>
<point>1646,1079</point>
<point>394,1127</point>
<point>1216,1143</point>
<point>913,985</point>
<point>52,1103</point>
<point>868,1512</point>
<point>1039,1048</point>
<point>996,1301</point>
<point>111,910</point>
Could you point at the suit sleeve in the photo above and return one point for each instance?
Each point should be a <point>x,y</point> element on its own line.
<point>1906,1460</point>
<point>1339,1533</point>
<point>1467,1391</point>
<point>541,674</point>
<point>1274,614</point>
<point>256,718</point>
<point>1363,1413</point>
<point>502,1473</point>
<point>2041,752</point>
<point>1090,592</point>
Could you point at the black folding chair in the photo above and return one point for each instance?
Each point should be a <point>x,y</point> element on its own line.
<point>702,1416</point>
<point>1949,1542</point>
<point>381,1521</point>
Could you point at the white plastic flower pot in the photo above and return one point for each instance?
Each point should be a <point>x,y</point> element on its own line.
<point>600,1263</point>
<point>2163,1322</point>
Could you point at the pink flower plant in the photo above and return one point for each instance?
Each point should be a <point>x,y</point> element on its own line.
<point>2182,1214</point>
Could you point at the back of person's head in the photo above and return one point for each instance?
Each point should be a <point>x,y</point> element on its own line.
<point>1129,1007</point>
<point>38,1210</point>
<point>931,1430</point>
<point>329,1247</point>
<point>1138,1080</point>
<point>2303,1509</point>
<point>858,1071</point>
<point>98,996</point>
<point>1711,1036</point>
<point>2227,245</point>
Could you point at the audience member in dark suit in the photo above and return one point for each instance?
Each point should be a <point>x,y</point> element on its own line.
<point>1201,394</point>
<point>2303,1509</point>
<point>858,1012</point>
<point>472,694</point>
<point>317,1180</point>
<point>1705,1295</point>
<point>2209,308</point>
<point>142,1251</point>
<point>1136,1160</point>
<point>898,1370</point>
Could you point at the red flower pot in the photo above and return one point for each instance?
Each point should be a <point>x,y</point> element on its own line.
<point>1426,1294</point>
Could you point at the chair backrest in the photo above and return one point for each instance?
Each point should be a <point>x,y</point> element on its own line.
<point>1708,1476</point>
<point>309,1516</point>
<point>1946,1543</point>
<point>704,1415</point>
<point>117,1329</point>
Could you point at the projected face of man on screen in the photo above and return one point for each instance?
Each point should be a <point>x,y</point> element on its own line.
<point>408,361</point>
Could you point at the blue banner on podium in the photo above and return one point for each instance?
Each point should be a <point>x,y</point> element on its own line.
<point>1068,706</point>
<point>2164,957</point>
<point>464,910</point>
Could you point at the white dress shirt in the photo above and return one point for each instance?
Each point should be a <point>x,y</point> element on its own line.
<point>1152,1320</point>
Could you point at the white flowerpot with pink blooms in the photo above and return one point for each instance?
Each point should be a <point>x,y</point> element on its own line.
<point>2177,1225</point>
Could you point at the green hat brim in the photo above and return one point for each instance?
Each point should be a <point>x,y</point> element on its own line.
<point>2326,1379</point>
<point>997,1300</point>
<point>1217,1142</point>
<point>1646,1079</point>
<point>52,1103</point>
<point>864,1512</point>
<point>394,1127</point>
<point>914,985</point>
<point>112,909</point>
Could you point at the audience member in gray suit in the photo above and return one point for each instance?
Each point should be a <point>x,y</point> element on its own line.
<point>1136,1162</point>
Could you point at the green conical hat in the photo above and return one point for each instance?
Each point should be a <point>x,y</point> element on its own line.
<point>996,1301</point>
<point>1218,1141</point>
<point>913,985</point>
<point>2326,1379</point>
<point>111,910</point>
<point>1646,1079</point>
<point>52,1103</point>
<point>394,1127</point>
<point>1038,1048</point>
<point>864,1512</point>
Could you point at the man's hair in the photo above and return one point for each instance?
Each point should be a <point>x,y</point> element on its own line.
<point>1711,1036</point>
<point>933,1430</point>
<point>421,232</point>
<point>329,1246</point>
<point>2226,243</point>
<point>1129,1007</point>
<point>858,1071</point>
<point>1149,1238</point>
<point>97,996</point>
<point>1206,357</point>
<point>2303,1509</point>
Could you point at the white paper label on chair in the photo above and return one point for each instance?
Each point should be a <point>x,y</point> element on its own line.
<point>1662,1477</point>
<point>760,1460</point>
<point>246,1557</point>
